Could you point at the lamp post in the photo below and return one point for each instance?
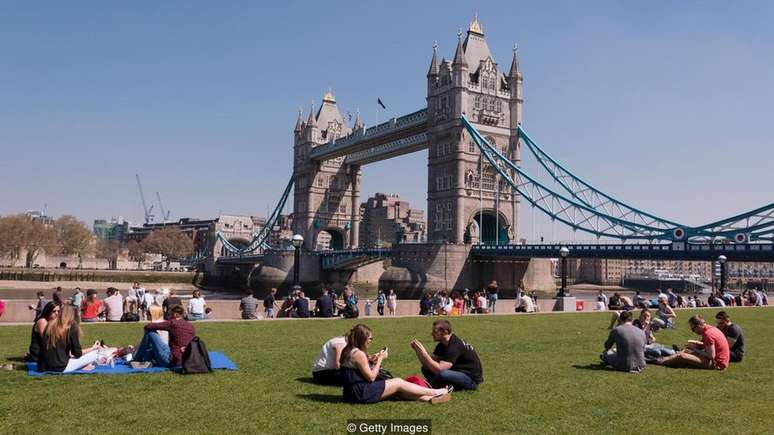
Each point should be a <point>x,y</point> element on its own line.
<point>564,252</point>
<point>722,260</point>
<point>298,241</point>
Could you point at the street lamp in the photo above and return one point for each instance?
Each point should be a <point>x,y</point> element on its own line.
<point>722,260</point>
<point>298,241</point>
<point>564,252</point>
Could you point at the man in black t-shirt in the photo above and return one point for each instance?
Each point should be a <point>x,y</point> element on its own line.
<point>324,305</point>
<point>268,303</point>
<point>301,306</point>
<point>453,362</point>
<point>733,334</point>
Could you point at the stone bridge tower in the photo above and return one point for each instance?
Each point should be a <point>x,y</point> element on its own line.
<point>326,194</point>
<point>467,201</point>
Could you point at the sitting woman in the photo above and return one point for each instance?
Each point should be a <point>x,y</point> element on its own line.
<point>61,346</point>
<point>665,316</point>
<point>49,313</point>
<point>360,375</point>
<point>196,306</point>
<point>653,350</point>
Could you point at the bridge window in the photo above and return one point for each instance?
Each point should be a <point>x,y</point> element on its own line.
<point>477,102</point>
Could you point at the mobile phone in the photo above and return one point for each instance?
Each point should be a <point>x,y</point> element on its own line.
<point>385,349</point>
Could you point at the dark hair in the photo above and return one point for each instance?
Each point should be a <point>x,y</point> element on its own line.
<point>625,316</point>
<point>40,293</point>
<point>47,309</point>
<point>722,315</point>
<point>443,325</point>
<point>357,337</point>
<point>57,296</point>
<point>207,310</point>
<point>177,309</point>
<point>248,292</point>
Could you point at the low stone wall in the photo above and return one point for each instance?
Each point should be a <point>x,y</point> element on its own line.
<point>17,310</point>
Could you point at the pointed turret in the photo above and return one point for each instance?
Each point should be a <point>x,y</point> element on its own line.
<point>459,54</point>
<point>311,121</point>
<point>433,71</point>
<point>515,72</point>
<point>358,123</point>
<point>299,122</point>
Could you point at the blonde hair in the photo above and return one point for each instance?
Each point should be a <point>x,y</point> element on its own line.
<point>58,330</point>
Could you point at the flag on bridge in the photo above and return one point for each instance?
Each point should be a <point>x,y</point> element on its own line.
<point>379,100</point>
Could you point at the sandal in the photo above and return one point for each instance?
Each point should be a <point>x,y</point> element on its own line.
<point>443,397</point>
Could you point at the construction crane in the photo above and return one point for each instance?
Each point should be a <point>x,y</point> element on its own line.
<point>148,215</point>
<point>164,214</point>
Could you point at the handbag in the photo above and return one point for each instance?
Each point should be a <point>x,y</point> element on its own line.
<point>383,374</point>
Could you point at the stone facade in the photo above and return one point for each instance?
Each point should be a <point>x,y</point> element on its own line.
<point>466,199</point>
<point>326,194</point>
<point>386,220</point>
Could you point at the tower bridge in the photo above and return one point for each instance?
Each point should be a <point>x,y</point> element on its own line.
<point>470,126</point>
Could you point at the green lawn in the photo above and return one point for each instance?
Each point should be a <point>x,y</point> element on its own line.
<point>541,376</point>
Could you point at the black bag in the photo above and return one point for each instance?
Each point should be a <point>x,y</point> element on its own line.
<point>196,359</point>
<point>383,374</point>
<point>130,317</point>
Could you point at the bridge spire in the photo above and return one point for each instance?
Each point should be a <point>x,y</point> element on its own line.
<point>515,71</point>
<point>311,120</point>
<point>459,54</point>
<point>433,71</point>
<point>358,123</point>
<point>299,122</point>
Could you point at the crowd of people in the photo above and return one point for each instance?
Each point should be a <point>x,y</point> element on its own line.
<point>482,301</point>
<point>632,344</point>
<point>346,361</point>
<point>753,297</point>
<point>55,342</point>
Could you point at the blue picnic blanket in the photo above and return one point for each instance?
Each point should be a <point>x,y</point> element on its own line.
<point>218,360</point>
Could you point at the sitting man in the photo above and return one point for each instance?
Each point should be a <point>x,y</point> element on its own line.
<point>629,342</point>
<point>710,353</point>
<point>152,348</point>
<point>733,334</point>
<point>327,369</point>
<point>301,306</point>
<point>324,305</point>
<point>453,361</point>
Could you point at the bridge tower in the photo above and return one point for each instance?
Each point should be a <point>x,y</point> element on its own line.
<point>463,189</point>
<point>326,194</point>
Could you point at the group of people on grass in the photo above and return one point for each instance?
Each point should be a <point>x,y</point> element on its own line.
<point>55,343</point>
<point>347,361</point>
<point>720,298</point>
<point>482,301</point>
<point>632,344</point>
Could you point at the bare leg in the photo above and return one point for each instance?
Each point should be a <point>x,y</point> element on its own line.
<point>686,358</point>
<point>614,319</point>
<point>407,390</point>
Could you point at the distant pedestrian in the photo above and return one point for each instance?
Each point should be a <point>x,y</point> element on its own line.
<point>269,302</point>
<point>491,294</point>
<point>38,307</point>
<point>381,299</point>
<point>392,302</point>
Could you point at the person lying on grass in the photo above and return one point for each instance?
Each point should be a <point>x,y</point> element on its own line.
<point>453,362</point>
<point>152,350</point>
<point>60,347</point>
<point>361,383</point>
<point>711,352</point>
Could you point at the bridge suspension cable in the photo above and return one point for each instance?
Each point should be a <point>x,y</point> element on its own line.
<point>260,239</point>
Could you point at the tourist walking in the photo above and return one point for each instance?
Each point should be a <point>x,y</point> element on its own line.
<point>392,302</point>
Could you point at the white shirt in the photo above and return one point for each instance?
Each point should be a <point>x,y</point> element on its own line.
<point>326,359</point>
<point>392,299</point>
<point>196,305</point>
<point>482,302</point>
<point>526,302</point>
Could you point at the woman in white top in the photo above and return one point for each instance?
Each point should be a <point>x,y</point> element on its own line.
<point>196,306</point>
<point>327,370</point>
<point>392,302</point>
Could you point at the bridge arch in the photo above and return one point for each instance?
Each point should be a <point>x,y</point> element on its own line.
<point>329,238</point>
<point>239,242</point>
<point>488,226</point>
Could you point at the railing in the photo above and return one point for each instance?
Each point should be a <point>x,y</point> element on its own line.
<point>387,148</point>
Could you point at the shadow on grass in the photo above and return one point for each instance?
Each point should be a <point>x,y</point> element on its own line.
<point>595,366</point>
<point>327,398</point>
<point>306,380</point>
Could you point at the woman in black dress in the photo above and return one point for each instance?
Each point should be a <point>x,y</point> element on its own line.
<point>360,375</point>
<point>49,313</point>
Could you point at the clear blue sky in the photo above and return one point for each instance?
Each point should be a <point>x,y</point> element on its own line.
<point>667,105</point>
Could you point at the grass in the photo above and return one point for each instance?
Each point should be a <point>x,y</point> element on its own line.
<point>541,376</point>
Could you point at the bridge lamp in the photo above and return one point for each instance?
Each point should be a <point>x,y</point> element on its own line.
<point>298,241</point>
<point>722,260</point>
<point>564,252</point>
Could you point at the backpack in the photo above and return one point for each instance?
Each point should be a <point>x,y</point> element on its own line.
<point>130,317</point>
<point>196,359</point>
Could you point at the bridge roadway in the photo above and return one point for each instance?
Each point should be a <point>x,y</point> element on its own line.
<point>393,138</point>
<point>752,252</point>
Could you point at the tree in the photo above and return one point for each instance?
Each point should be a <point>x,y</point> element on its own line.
<point>109,250</point>
<point>170,243</point>
<point>11,242</point>
<point>73,237</point>
<point>136,252</point>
